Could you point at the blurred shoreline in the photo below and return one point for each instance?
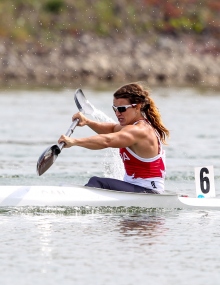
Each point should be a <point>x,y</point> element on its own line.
<point>163,60</point>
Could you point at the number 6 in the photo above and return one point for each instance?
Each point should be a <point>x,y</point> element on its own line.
<point>204,180</point>
<point>205,184</point>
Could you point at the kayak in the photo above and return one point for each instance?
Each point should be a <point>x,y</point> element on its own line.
<point>81,196</point>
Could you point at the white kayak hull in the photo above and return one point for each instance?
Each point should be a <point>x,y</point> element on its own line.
<point>81,196</point>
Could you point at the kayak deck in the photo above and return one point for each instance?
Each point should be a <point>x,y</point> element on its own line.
<point>79,196</point>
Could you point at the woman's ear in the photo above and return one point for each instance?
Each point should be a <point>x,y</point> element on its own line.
<point>138,106</point>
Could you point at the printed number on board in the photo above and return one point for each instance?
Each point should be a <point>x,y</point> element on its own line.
<point>204,178</point>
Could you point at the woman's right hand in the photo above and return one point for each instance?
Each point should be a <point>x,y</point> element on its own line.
<point>83,121</point>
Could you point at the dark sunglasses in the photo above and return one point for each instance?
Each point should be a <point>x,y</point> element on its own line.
<point>122,109</point>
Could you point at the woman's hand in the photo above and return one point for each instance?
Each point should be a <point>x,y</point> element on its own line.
<point>68,142</point>
<point>83,121</point>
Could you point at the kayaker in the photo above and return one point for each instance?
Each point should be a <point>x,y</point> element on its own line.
<point>139,135</point>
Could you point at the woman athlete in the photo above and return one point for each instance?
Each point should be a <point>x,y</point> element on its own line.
<point>139,135</point>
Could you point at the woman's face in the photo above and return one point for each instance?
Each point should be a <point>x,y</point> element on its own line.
<point>127,115</point>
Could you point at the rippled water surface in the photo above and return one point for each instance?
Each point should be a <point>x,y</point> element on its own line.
<point>106,246</point>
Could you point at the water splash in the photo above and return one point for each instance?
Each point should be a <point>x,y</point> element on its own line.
<point>76,211</point>
<point>113,166</point>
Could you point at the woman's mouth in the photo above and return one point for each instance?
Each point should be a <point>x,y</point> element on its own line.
<point>120,120</point>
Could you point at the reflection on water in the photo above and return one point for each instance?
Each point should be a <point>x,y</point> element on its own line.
<point>44,230</point>
<point>110,248</point>
<point>148,226</point>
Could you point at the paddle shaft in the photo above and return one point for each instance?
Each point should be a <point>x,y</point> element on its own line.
<point>69,132</point>
<point>49,156</point>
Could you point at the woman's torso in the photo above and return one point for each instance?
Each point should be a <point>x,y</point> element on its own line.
<point>145,162</point>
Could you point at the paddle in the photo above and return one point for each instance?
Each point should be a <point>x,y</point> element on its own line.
<point>49,156</point>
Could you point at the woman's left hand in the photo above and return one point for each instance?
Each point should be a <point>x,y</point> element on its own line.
<point>68,142</point>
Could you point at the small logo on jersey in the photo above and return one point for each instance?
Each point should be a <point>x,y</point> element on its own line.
<point>124,156</point>
<point>153,185</point>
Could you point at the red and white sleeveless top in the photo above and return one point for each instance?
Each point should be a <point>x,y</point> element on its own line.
<point>145,172</point>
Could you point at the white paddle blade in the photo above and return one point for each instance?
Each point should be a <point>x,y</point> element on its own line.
<point>82,103</point>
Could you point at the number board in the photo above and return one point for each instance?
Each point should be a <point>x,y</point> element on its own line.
<point>205,184</point>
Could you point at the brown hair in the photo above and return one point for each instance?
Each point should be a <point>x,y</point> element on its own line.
<point>136,94</point>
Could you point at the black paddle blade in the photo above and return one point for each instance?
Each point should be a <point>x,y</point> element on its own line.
<point>47,158</point>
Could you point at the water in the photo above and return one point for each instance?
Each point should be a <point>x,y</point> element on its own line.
<point>106,246</point>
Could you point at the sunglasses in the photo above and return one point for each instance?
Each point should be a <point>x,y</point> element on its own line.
<point>122,109</point>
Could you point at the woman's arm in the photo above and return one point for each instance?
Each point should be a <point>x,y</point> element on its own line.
<point>101,127</point>
<point>127,136</point>
<point>98,127</point>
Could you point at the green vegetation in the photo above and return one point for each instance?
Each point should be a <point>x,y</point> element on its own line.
<point>51,19</point>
